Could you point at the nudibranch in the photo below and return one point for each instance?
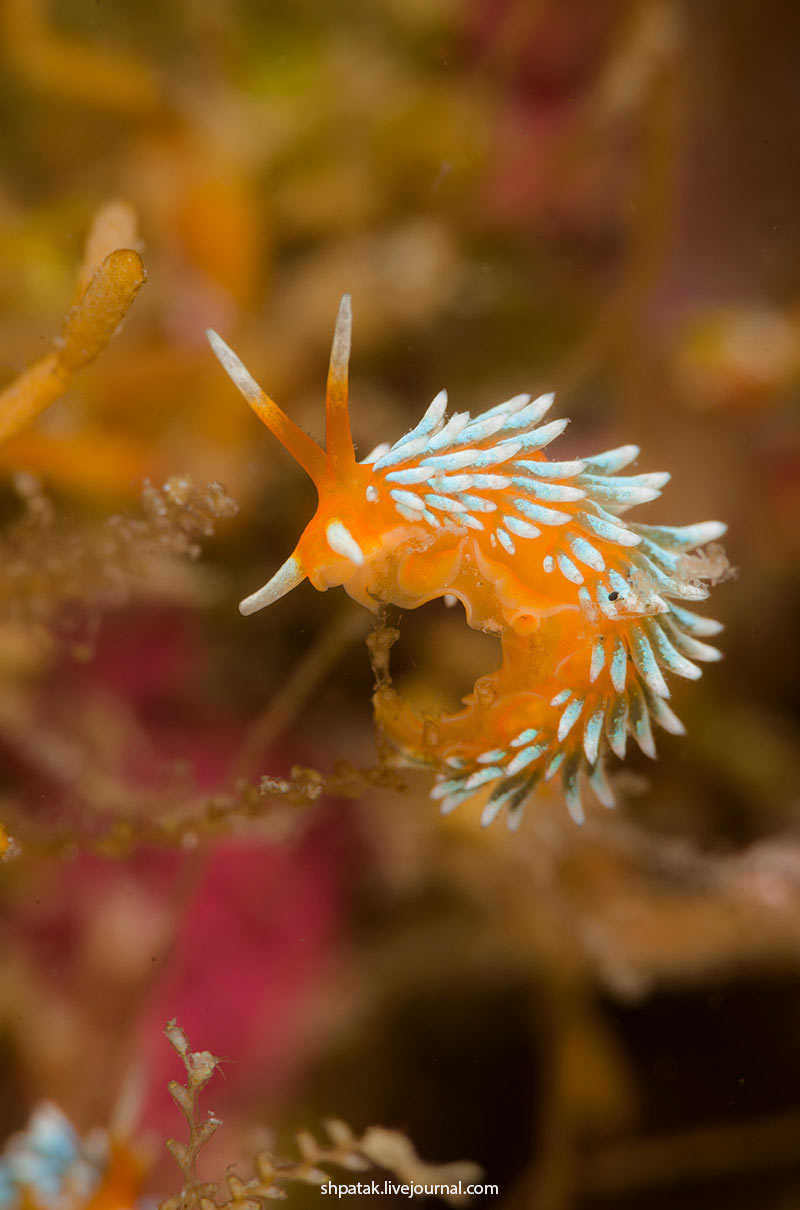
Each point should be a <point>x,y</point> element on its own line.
<point>590,607</point>
<point>49,1167</point>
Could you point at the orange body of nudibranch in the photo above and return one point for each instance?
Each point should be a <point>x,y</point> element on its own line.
<point>588,606</point>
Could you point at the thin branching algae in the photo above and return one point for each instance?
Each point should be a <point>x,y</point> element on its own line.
<point>184,818</point>
<point>377,1148</point>
<point>60,578</point>
<point>590,608</point>
<point>49,565</point>
<point>48,1166</point>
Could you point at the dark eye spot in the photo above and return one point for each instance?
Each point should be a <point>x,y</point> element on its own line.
<point>612,596</point>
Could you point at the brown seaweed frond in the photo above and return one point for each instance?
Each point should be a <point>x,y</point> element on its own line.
<point>377,1148</point>
<point>109,279</point>
<point>48,565</point>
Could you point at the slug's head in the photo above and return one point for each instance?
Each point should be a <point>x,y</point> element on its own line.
<point>346,532</point>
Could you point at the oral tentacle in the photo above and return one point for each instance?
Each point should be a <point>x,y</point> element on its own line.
<point>287,577</point>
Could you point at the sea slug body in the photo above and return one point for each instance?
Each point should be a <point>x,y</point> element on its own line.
<point>591,608</point>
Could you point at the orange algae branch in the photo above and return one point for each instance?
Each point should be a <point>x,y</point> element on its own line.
<point>108,283</point>
<point>113,226</point>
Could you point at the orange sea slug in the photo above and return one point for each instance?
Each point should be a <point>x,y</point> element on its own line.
<point>48,1166</point>
<point>589,607</point>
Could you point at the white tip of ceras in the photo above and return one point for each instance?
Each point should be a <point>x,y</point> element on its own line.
<point>285,579</point>
<point>233,366</point>
<point>342,541</point>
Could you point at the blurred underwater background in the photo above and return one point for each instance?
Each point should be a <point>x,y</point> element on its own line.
<point>597,198</point>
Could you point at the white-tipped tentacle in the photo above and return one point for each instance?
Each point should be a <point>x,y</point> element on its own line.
<point>285,579</point>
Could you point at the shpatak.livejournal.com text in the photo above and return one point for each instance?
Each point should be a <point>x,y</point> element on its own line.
<point>388,1188</point>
